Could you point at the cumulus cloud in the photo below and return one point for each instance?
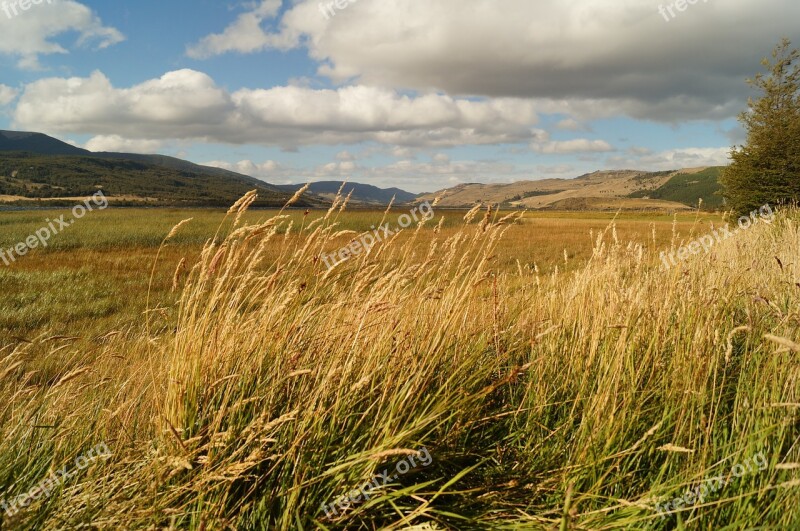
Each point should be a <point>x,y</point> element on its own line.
<point>345,156</point>
<point>543,144</point>
<point>402,153</point>
<point>571,54</point>
<point>570,124</point>
<point>245,35</point>
<point>7,94</point>
<point>286,116</point>
<point>126,145</point>
<point>407,174</point>
<point>672,159</point>
<point>273,172</point>
<point>32,33</point>
<point>266,170</point>
<point>578,145</point>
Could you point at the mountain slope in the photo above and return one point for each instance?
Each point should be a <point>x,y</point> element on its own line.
<point>37,143</point>
<point>689,188</point>
<point>185,166</point>
<point>23,175</point>
<point>36,166</point>
<point>362,193</point>
<point>626,189</point>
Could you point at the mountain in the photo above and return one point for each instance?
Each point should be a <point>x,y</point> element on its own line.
<point>362,193</point>
<point>186,166</point>
<point>601,190</point>
<point>37,143</point>
<point>36,166</point>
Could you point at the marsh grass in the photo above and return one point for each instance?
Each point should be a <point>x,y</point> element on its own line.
<point>573,397</point>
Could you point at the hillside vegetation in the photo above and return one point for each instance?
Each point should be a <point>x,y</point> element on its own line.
<point>690,189</point>
<point>25,175</point>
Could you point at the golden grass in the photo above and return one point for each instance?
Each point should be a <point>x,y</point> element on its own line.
<point>548,390</point>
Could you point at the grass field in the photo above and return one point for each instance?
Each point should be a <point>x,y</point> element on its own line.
<point>94,277</point>
<point>507,371</point>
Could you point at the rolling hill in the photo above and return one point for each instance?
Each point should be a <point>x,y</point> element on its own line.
<point>689,188</point>
<point>601,190</point>
<point>39,167</point>
<point>37,143</point>
<point>36,166</point>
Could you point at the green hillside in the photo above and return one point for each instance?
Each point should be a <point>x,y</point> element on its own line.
<point>689,188</point>
<point>130,181</point>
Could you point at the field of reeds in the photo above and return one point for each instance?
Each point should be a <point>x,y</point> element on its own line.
<point>569,383</point>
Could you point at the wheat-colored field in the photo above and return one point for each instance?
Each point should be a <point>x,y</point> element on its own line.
<point>478,371</point>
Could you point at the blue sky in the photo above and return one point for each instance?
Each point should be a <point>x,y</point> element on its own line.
<point>417,94</point>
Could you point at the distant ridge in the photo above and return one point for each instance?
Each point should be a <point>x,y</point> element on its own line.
<point>600,190</point>
<point>42,144</point>
<point>362,193</point>
<point>38,166</point>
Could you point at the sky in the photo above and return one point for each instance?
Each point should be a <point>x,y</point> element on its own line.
<point>418,94</point>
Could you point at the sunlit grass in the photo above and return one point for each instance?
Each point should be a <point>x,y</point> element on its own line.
<point>552,392</point>
<point>93,277</point>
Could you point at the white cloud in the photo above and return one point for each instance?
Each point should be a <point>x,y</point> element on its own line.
<point>7,94</point>
<point>570,124</point>
<point>285,116</point>
<point>32,33</point>
<point>620,54</point>
<point>640,151</point>
<point>266,170</point>
<point>244,35</point>
<point>126,145</point>
<point>406,174</point>
<point>402,153</point>
<point>578,145</point>
<point>673,159</point>
<point>543,144</point>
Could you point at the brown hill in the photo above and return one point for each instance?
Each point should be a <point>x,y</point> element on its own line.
<point>599,190</point>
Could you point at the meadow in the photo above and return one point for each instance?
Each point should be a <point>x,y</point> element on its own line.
<point>95,276</point>
<point>554,374</point>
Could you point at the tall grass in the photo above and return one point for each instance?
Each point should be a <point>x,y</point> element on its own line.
<point>562,400</point>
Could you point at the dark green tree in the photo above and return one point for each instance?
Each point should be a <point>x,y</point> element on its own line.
<point>767,168</point>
